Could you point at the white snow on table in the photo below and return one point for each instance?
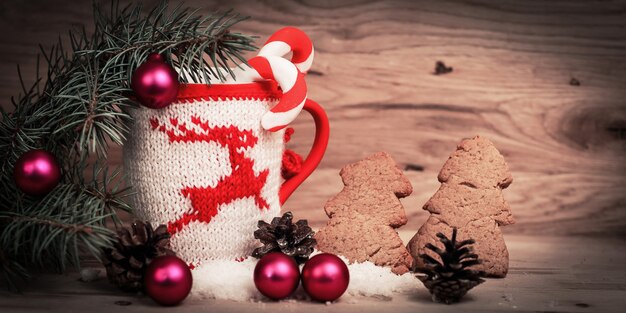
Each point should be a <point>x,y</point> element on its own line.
<point>231,280</point>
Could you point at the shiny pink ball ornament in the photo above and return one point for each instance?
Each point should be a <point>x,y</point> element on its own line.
<point>36,172</point>
<point>168,280</point>
<point>276,275</point>
<point>155,83</point>
<point>325,277</point>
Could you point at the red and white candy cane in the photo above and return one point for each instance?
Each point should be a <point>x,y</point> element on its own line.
<point>290,39</point>
<point>270,64</point>
<point>292,83</point>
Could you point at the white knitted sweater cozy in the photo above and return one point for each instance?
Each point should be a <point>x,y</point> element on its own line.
<point>205,167</point>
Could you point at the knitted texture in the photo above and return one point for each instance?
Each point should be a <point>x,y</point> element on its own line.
<point>292,161</point>
<point>205,167</point>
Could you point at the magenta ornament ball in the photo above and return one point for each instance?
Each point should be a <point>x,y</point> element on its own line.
<point>168,280</point>
<point>325,277</point>
<point>276,275</point>
<point>36,172</point>
<point>155,83</point>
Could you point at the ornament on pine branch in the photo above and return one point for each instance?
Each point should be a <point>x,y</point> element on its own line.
<point>155,83</point>
<point>37,172</point>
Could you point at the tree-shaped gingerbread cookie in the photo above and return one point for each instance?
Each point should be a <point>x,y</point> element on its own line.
<point>364,215</point>
<point>470,199</point>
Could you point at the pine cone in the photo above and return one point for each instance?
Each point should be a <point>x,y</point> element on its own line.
<point>448,281</point>
<point>295,240</point>
<point>135,248</point>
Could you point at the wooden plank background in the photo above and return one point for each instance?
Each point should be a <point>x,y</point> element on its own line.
<point>514,62</point>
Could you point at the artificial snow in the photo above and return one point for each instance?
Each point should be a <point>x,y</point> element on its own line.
<point>367,279</point>
<point>228,280</point>
<point>231,280</point>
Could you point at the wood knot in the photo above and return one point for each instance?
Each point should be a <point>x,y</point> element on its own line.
<point>594,127</point>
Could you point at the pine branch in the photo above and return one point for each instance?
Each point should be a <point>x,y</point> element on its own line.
<point>12,272</point>
<point>79,105</point>
<point>70,228</point>
<point>51,233</point>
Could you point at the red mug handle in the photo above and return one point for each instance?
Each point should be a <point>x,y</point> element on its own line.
<point>322,132</point>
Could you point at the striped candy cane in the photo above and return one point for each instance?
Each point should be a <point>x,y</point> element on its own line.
<point>270,64</point>
<point>290,39</point>
<point>291,81</point>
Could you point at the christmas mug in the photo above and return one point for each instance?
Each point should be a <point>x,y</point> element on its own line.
<point>209,165</point>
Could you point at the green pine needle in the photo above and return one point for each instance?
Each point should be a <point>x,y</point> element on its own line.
<point>77,107</point>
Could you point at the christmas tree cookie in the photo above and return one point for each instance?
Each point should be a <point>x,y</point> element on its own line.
<point>364,215</point>
<point>470,199</point>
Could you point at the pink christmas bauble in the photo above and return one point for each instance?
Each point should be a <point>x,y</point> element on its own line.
<point>325,277</point>
<point>168,280</point>
<point>276,275</point>
<point>155,83</point>
<point>36,172</point>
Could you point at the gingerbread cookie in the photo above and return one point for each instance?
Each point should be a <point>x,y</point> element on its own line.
<point>470,199</point>
<point>364,214</point>
<point>478,163</point>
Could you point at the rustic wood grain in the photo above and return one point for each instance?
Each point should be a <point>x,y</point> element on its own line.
<point>550,274</point>
<point>513,64</point>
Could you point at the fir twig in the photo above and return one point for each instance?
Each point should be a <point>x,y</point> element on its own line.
<point>79,105</point>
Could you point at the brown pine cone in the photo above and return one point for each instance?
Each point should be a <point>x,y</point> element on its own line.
<point>295,240</point>
<point>135,248</point>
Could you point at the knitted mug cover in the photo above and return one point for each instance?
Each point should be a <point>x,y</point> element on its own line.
<point>204,167</point>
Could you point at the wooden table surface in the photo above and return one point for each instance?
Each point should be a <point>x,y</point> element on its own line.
<point>513,63</point>
<point>553,274</point>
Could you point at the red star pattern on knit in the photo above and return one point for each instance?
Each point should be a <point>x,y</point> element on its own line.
<point>241,183</point>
